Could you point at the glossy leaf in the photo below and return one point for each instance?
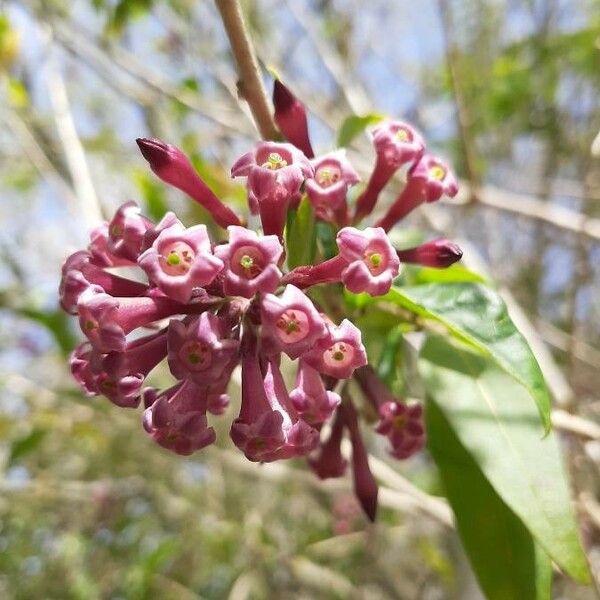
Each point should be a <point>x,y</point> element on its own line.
<point>354,126</point>
<point>477,315</point>
<point>493,420</point>
<point>495,539</point>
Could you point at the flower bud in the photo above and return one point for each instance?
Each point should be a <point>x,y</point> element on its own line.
<point>439,254</point>
<point>290,116</point>
<point>171,165</point>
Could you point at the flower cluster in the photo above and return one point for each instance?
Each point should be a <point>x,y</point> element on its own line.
<point>208,306</point>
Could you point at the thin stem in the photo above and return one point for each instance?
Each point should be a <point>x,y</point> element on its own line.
<point>250,84</point>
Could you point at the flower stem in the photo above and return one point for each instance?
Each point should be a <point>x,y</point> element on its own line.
<point>250,84</point>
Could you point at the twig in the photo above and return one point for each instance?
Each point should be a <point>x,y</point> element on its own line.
<point>73,148</point>
<point>250,84</point>
<point>353,93</point>
<point>527,206</point>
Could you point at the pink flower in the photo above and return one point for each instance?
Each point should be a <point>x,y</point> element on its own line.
<point>275,174</point>
<point>176,418</point>
<point>428,180</point>
<point>79,272</point>
<point>100,252</point>
<point>181,260</point>
<point>313,402</point>
<point>126,231</point>
<point>403,425</point>
<point>327,190</point>
<point>438,254</point>
<point>290,116</point>
<point>173,166</point>
<point>200,351</point>
<point>396,143</point>
<point>268,427</point>
<point>250,262</point>
<point>329,462</point>
<point>118,375</point>
<point>167,221</point>
<point>338,353</point>
<point>372,260</point>
<point>290,323</point>
<point>106,320</point>
<point>434,177</point>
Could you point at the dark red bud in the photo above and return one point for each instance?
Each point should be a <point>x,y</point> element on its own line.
<point>365,485</point>
<point>439,254</point>
<point>290,116</point>
<point>171,165</point>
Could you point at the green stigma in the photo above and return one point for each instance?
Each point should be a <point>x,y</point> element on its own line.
<point>375,259</point>
<point>437,173</point>
<point>338,355</point>
<point>275,161</point>
<point>402,135</point>
<point>246,262</point>
<point>173,258</point>
<point>194,358</point>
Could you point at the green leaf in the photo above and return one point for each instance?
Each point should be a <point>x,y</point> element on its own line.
<point>495,539</point>
<point>355,125</point>
<point>26,444</point>
<point>498,427</point>
<point>478,316</point>
<point>153,194</point>
<point>301,236</point>
<point>457,273</point>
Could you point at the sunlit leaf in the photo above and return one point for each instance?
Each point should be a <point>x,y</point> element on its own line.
<point>477,315</point>
<point>493,420</point>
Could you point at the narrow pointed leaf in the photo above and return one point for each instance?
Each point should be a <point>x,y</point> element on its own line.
<point>493,420</point>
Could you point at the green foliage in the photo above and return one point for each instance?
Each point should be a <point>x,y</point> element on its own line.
<point>506,560</point>
<point>493,420</point>
<point>301,235</point>
<point>353,126</point>
<point>476,314</point>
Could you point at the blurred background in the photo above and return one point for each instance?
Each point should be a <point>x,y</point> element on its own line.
<point>509,90</point>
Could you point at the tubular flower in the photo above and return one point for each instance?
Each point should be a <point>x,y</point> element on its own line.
<point>200,351</point>
<point>275,172</point>
<point>126,231</point>
<point>372,260</point>
<point>428,180</point>
<point>181,260</point>
<point>396,143</point>
<point>250,262</point>
<point>401,423</point>
<point>328,188</point>
<point>79,272</point>
<point>314,403</point>
<point>339,352</point>
<point>268,427</point>
<point>367,262</point>
<point>206,306</point>
<point>176,418</point>
<point>291,323</point>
